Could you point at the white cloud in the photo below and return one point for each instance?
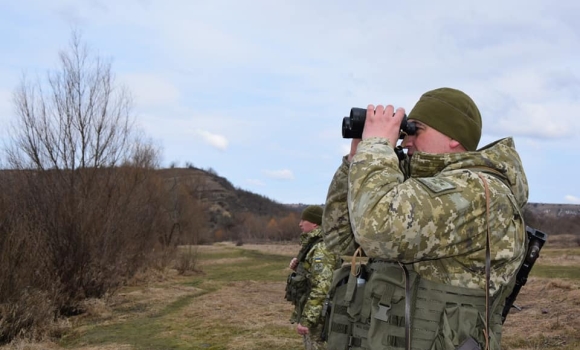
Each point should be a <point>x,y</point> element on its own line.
<point>283,174</point>
<point>150,90</point>
<point>255,182</point>
<point>218,141</point>
<point>530,102</point>
<point>572,199</point>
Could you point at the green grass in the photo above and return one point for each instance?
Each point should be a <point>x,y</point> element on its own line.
<point>559,253</point>
<point>257,267</point>
<point>548,271</point>
<point>165,329</point>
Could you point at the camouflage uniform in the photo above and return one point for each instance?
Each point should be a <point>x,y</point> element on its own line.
<point>430,211</point>
<point>319,266</point>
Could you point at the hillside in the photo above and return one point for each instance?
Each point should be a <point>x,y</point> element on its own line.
<point>229,208</point>
<point>215,189</point>
<point>223,197</point>
<point>554,219</point>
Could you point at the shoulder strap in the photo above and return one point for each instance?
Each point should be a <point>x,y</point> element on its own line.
<point>306,248</point>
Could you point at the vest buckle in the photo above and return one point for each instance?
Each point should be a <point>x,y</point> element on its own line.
<point>383,312</point>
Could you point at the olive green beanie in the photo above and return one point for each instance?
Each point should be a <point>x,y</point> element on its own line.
<point>312,213</point>
<point>451,112</point>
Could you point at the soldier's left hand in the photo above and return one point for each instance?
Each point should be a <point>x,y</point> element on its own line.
<point>293,264</point>
<point>383,121</point>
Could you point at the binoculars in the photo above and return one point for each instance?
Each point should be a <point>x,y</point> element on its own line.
<point>352,126</point>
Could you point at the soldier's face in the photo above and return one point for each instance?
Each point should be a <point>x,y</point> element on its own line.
<point>307,226</point>
<point>427,140</point>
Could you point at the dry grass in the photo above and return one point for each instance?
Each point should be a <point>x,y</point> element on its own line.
<point>550,315</point>
<point>564,241</point>
<point>238,303</point>
<point>253,309</point>
<point>284,249</point>
<point>289,250</point>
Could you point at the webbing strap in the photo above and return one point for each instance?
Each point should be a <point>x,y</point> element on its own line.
<point>487,264</point>
<point>339,328</point>
<point>407,307</point>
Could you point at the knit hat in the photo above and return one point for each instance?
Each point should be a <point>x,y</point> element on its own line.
<point>312,213</point>
<point>451,112</point>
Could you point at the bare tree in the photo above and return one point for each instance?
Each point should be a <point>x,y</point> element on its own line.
<point>88,197</point>
<point>78,119</point>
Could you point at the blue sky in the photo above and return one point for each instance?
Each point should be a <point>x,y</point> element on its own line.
<point>257,90</point>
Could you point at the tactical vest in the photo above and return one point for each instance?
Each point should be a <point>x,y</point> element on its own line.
<point>374,315</point>
<point>298,284</point>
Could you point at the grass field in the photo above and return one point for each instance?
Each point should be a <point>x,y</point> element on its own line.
<point>237,302</point>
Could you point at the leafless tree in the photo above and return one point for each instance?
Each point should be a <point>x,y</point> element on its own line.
<point>78,118</point>
<point>88,204</point>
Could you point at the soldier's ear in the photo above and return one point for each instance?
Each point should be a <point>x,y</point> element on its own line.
<point>455,146</point>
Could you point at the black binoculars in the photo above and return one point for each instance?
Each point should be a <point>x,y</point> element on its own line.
<point>352,126</point>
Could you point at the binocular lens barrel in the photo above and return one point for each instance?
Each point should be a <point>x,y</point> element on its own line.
<point>353,125</point>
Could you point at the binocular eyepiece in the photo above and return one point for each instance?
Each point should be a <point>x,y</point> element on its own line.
<point>352,126</point>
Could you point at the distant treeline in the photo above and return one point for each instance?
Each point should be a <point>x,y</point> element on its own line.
<point>554,219</point>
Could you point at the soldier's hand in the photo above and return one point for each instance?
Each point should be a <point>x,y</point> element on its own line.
<point>300,329</point>
<point>383,121</point>
<point>293,264</point>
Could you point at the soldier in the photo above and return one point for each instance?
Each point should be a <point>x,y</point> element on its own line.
<point>310,282</point>
<point>442,227</point>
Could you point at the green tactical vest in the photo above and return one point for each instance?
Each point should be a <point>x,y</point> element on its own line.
<point>442,317</point>
<point>298,284</point>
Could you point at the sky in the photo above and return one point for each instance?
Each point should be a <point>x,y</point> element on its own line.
<point>256,90</point>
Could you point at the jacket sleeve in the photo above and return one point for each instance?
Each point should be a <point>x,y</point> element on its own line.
<point>417,219</point>
<point>322,265</point>
<point>338,234</point>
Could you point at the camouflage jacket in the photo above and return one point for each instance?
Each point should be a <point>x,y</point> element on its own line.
<point>319,265</point>
<point>433,215</point>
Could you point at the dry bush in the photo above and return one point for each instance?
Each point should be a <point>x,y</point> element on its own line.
<point>187,260</point>
<point>28,315</point>
<point>83,204</point>
<point>563,241</point>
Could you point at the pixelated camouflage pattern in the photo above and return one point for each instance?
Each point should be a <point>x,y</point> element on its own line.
<point>435,217</point>
<point>312,340</point>
<point>319,265</point>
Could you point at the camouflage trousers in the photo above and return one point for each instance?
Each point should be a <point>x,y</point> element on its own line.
<point>312,340</point>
